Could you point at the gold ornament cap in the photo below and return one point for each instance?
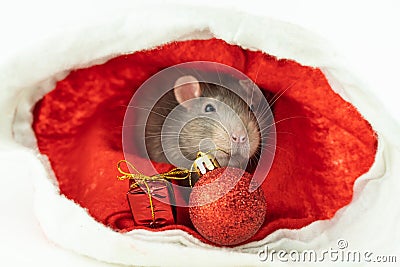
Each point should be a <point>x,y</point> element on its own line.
<point>204,163</point>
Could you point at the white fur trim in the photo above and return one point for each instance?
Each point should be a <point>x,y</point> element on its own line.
<point>31,73</point>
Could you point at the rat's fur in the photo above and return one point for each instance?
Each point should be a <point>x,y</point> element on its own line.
<point>192,126</point>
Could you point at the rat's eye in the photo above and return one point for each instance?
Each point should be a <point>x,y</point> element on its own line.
<point>209,108</point>
<point>251,107</point>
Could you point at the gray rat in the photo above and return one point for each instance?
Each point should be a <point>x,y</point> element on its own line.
<point>200,116</point>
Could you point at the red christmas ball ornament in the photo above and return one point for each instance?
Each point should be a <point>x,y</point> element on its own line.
<point>233,218</point>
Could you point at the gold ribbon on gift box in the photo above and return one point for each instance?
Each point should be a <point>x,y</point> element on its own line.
<point>174,174</point>
<point>203,163</point>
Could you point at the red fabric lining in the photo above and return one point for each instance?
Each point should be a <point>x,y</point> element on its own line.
<point>323,143</point>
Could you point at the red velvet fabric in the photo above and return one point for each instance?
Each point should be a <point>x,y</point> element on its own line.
<point>323,143</point>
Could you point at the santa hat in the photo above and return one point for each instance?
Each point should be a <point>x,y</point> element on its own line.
<point>333,178</point>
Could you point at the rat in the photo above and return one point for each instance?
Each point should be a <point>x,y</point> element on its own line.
<point>200,116</point>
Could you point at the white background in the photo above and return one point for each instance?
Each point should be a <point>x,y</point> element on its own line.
<point>365,32</point>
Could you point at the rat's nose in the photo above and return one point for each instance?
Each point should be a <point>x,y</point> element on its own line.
<point>239,137</point>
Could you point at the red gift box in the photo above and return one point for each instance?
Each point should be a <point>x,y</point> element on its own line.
<point>151,203</point>
<point>152,199</point>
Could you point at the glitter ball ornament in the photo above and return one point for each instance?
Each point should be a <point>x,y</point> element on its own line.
<point>233,218</point>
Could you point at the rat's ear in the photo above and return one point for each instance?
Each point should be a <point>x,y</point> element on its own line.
<point>186,88</point>
<point>254,95</point>
<point>247,85</point>
<point>250,88</point>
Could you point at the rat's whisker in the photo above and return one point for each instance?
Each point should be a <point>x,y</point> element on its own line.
<point>282,120</point>
<point>281,93</point>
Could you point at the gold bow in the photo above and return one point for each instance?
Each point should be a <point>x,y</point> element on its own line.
<point>203,161</point>
<point>175,174</point>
